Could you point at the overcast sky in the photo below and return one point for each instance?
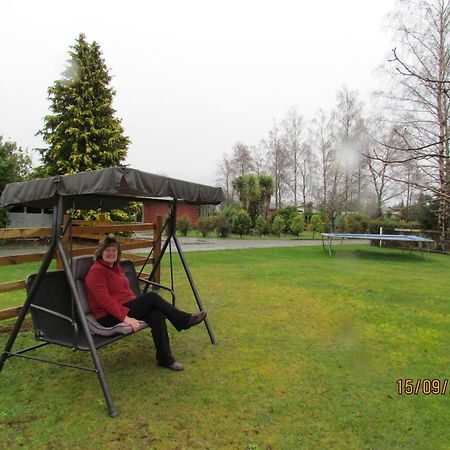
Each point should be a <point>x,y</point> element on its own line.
<point>192,77</point>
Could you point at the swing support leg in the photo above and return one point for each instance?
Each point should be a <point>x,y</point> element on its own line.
<point>171,222</point>
<point>194,289</point>
<point>92,350</point>
<point>26,306</point>
<point>56,243</point>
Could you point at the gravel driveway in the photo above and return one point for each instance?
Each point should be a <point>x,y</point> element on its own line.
<point>190,244</point>
<point>203,244</point>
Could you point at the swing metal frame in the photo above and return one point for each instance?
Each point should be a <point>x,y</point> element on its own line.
<point>93,344</point>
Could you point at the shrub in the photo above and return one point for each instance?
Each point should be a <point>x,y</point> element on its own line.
<point>287,214</point>
<point>297,225</point>
<point>117,215</point>
<point>130,213</point>
<point>184,225</point>
<point>388,225</point>
<point>236,217</point>
<point>241,222</point>
<point>354,223</point>
<point>231,210</point>
<point>98,215</point>
<point>262,226</point>
<point>205,225</point>
<point>278,225</point>
<point>414,225</point>
<point>222,225</point>
<point>134,211</point>
<point>316,224</point>
<point>327,225</point>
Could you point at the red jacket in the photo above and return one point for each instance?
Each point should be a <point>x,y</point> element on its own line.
<point>107,289</point>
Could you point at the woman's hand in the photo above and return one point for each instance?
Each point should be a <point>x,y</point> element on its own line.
<point>133,322</point>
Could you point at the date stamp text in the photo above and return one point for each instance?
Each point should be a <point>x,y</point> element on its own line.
<point>425,386</point>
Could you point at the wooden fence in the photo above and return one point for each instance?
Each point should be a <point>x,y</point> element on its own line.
<point>79,240</point>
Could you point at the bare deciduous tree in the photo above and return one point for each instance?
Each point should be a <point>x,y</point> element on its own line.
<point>420,68</point>
<point>330,192</point>
<point>349,133</point>
<point>306,172</point>
<point>242,161</point>
<point>239,163</point>
<point>225,176</point>
<point>292,127</point>
<point>383,171</point>
<point>278,161</point>
<point>258,153</point>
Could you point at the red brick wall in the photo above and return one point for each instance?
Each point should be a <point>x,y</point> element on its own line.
<point>153,209</point>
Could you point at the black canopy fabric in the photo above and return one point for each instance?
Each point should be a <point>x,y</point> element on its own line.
<point>107,188</point>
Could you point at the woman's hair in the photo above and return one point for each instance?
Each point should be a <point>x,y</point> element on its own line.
<point>106,242</point>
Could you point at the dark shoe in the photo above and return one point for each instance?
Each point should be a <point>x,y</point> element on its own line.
<point>195,319</point>
<point>176,366</point>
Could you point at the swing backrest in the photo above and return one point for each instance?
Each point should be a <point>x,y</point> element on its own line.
<point>130,272</point>
<point>80,268</point>
<point>51,310</point>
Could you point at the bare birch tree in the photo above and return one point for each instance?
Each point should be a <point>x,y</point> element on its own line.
<point>239,163</point>
<point>380,160</point>
<point>258,153</point>
<point>420,69</point>
<point>349,132</point>
<point>306,172</point>
<point>242,161</point>
<point>225,176</point>
<point>330,187</point>
<point>278,162</point>
<point>292,127</point>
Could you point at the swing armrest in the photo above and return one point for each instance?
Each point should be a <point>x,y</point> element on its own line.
<point>63,317</point>
<point>154,283</point>
<point>53,313</point>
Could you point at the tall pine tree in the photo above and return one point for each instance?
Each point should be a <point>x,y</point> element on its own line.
<point>82,132</point>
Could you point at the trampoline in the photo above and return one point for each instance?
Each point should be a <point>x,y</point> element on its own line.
<point>328,238</point>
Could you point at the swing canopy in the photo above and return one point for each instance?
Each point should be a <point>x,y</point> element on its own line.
<point>106,188</point>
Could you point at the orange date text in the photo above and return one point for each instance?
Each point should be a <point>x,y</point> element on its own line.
<point>425,386</point>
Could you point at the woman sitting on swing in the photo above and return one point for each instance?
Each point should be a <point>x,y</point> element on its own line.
<point>112,301</point>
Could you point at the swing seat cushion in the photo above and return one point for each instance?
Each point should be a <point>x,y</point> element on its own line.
<point>120,328</point>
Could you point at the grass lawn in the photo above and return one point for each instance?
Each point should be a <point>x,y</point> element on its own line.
<point>310,350</point>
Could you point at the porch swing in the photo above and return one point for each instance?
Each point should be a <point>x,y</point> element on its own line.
<point>57,299</point>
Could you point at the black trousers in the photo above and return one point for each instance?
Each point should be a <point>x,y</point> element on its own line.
<point>153,309</point>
